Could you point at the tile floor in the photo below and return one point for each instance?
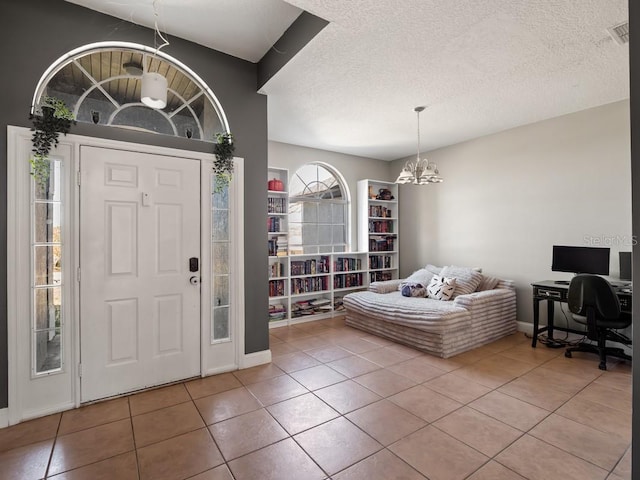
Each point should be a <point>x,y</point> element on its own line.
<point>341,404</point>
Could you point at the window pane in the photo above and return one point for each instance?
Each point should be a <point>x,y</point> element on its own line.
<point>310,234</point>
<point>220,258</point>
<point>220,291</point>
<point>47,223</point>
<point>47,349</point>
<point>49,189</point>
<point>338,212</point>
<point>221,199</point>
<point>338,234</point>
<point>324,237</point>
<point>220,225</point>
<point>324,213</point>
<point>47,308</point>
<point>295,212</point>
<point>220,323</point>
<point>47,265</point>
<point>309,212</point>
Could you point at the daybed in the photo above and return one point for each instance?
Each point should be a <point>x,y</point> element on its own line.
<point>443,328</point>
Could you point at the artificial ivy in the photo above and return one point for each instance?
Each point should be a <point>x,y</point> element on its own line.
<point>223,164</point>
<point>53,119</point>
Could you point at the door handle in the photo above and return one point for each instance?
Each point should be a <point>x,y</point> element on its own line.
<point>194,280</point>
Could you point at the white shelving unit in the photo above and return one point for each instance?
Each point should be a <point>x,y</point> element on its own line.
<point>277,244</point>
<point>378,228</point>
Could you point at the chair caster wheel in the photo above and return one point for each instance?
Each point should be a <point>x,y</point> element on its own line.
<point>567,354</point>
<point>602,366</point>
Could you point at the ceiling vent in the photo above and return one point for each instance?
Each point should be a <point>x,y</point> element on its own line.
<point>620,33</point>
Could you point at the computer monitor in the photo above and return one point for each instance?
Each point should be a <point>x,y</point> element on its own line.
<point>593,260</point>
<point>625,266</point>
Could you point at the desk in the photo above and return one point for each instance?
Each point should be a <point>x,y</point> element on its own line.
<point>557,292</point>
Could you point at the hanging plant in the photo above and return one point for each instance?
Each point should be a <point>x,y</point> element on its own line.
<point>223,164</point>
<point>53,119</point>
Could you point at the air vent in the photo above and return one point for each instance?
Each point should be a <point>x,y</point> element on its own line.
<point>620,33</point>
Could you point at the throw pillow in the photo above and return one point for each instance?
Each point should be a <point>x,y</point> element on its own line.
<point>413,290</point>
<point>467,279</point>
<point>433,269</point>
<point>441,288</point>
<point>487,283</point>
<point>422,276</point>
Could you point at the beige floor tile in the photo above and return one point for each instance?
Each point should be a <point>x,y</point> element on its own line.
<point>384,357</point>
<point>425,403</point>
<point>221,472</point>
<point>446,364</point>
<point>458,388</point>
<point>203,387</point>
<point>384,382</point>
<point>179,457</point>
<point>309,343</point>
<point>623,468</point>
<point>510,410</point>
<point>613,476</point>
<point>498,363</point>
<point>329,354</point>
<point>478,430</point>
<point>563,382</point>
<point>283,460</point>
<point>159,398</point>
<point>524,457</point>
<point>385,421</point>
<point>295,361</point>
<point>282,348</point>
<point>276,390</point>
<point>353,366</point>
<point>495,471</point>
<point>383,465</point>
<point>289,334</point>
<point>225,405</point>
<point>603,395</point>
<point>169,422</point>
<point>91,445</point>
<point>273,340</point>
<point>536,356</point>
<point>599,416</point>
<point>25,433</point>
<point>357,345</point>
<point>257,374</point>
<point>94,415</point>
<point>417,369</point>
<point>473,355</point>
<point>318,377</point>
<point>484,375</point>
<point>337,444</point>
<point>347,396</point>
<point>121,467</point>
<point>246,433</point>
<point>619,381</point>
<point>437,455</point>
<point>510,341</point>
<point>542,388</point>
<point>408,351</point>
<point>301,413</point>
<point>582,365</point>
<point>602,449</point>
<point>26,463</point>
<point>383,342</point>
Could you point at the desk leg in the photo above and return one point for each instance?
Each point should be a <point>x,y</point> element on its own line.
<point>550,315</point>
<point>536,321</point>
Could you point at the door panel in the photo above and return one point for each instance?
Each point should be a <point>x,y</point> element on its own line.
<point>139,314</point>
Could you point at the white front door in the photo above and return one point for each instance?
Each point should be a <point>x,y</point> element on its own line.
<point>139,312</point>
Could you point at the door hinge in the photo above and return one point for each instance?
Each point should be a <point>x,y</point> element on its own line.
<point>80,370</point>
<point>78,275</point>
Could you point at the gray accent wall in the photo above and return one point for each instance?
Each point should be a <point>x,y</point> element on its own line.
<point>35,33</point>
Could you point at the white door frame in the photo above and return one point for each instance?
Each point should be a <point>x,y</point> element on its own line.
<point>23,388</point>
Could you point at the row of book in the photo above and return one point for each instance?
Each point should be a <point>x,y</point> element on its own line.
<point>347,280</point>
<point>310,307</point>
<point>277,311</point>
<point>276,270</point>
<point>278,246</point>
<point>381,226</point>
<point>379,211</point>
<point>380,276</point>
<point>313,284</point>
<point>381,244</point>
<point>379,261</point>
<point>347,264</point>
<point>277,205</point>
<point>310,267</point>
<point>276,288</point>
<point>274,224</point>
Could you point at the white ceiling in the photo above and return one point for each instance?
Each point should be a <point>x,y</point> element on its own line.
<point>480,66</point>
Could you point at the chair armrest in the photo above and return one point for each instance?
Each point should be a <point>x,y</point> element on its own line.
<point>384,287</point>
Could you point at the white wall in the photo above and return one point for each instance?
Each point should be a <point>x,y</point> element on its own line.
<point>509,197</point>
<point>352,168</point>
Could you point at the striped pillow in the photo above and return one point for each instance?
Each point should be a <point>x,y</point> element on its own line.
<point>467,279</point>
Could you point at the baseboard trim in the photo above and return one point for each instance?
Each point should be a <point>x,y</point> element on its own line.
<point>4,417</point>
<point>254,359</point>
<point>526,327</point>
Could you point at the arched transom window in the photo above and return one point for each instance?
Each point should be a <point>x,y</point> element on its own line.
<point>101,84</point>
<point>318,210</point>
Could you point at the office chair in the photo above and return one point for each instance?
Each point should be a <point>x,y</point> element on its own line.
<point>594,304</point>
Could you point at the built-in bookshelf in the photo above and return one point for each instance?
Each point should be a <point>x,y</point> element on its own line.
<point>277,243</point>
<point>378,228</point>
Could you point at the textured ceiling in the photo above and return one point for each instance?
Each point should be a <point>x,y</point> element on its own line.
<point>479,66</point>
